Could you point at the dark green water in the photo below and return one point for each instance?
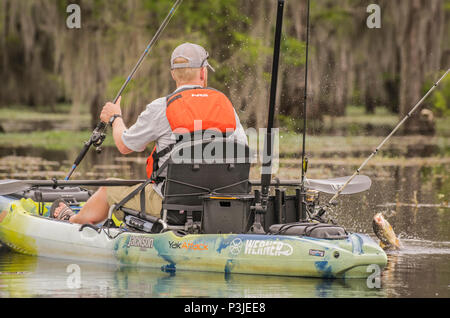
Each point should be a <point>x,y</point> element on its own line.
<point>413,197</point>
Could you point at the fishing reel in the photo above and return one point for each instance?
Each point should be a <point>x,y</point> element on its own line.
<point>320,214</point>
<point>98,136</point>
<point>312,199</point>
<point>316,212</point>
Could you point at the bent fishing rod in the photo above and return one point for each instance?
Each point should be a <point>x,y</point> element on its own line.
<point>99,133</point>
<point>332,200</point>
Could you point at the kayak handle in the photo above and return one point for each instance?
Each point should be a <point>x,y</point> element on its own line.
<point>95,228</point>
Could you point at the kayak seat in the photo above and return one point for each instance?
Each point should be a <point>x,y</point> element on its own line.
<point>214,166</point>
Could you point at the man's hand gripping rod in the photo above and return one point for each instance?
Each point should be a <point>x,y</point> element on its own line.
<point>332,200</point>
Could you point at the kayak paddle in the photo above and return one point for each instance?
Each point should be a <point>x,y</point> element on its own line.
<point>16,186</point>
<point>359,184</point>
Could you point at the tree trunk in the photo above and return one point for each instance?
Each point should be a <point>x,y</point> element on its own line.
<point>421,24</point>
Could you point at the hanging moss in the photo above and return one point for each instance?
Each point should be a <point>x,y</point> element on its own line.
<point>44,62</point>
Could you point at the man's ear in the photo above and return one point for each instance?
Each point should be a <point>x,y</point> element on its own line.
<point>173,77</point>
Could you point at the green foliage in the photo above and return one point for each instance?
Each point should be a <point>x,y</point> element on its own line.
<point>51,140</point>
<point>42,60</point>
<point>252,48</point>
<point>440,99</point>
<point>289,123</point>
<point>220,26</point>
<point>447,5</point>
<point>332,13</point>
<point>115,84</point>
<point>39,113</point>
<point>293,51</point>
<point>214,19</point>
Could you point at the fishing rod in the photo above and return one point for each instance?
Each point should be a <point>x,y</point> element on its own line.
<point>305,160</point>
<point>99,133</point>
<point>266,174</point>
<point>332,200</point>
<point>302,194</point>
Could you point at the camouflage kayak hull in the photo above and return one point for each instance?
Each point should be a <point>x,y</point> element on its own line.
<point>25,232</point>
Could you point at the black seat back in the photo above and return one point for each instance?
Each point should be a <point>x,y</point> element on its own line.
<point>202,167</point>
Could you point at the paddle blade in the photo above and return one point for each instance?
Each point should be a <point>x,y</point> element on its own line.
<point>359,184</point>
<point>12,186</point>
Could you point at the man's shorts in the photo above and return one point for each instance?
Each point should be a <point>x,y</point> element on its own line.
<point>153,201</point>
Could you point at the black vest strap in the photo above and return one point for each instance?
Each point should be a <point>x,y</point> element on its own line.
<point>162,153</point>
<point>156,169</point>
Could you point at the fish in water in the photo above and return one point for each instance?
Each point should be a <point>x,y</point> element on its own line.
<point>385,233</point>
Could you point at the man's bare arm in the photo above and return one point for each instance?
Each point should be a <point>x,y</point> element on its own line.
<point>118,129</point>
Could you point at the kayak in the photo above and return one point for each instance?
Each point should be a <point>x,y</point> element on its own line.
<point>24,230</point>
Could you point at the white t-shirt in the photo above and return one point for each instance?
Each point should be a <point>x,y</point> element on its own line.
<point>153,125</point>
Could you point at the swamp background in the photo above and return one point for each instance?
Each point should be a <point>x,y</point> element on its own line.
<point>362,81</point>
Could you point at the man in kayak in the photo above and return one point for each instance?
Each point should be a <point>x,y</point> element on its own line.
<point>192,102</point>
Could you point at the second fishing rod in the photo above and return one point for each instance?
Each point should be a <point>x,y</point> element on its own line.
<point>408,115</point>
<point>99,133</point>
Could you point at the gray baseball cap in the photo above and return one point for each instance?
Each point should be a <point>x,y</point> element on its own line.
<point>195,54</point>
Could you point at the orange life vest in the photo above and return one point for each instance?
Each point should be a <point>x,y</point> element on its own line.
<point>186,106</point>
